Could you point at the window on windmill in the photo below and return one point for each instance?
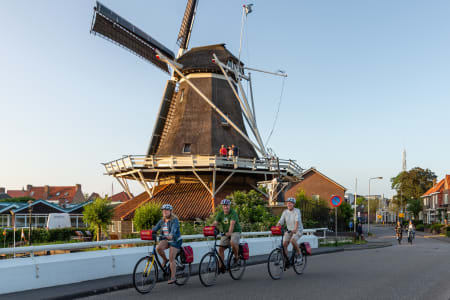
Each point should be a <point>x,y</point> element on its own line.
<point>187,148</point>
<point>182,96</point>
<point>224,121</point>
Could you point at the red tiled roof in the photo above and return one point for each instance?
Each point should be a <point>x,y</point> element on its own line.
<point>17,193</point>
<point>189,201</point>
<point>439,187</point>
<point>58,192</point>
<point>120,197</point>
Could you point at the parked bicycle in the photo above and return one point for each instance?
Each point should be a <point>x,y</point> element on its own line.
<point>209,264</point>
<point>145,273</point>
<point>278,262</point>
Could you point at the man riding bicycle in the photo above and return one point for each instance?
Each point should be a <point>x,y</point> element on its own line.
<point>292,217</point>
<point>170,230</point>
<point>229,221</point>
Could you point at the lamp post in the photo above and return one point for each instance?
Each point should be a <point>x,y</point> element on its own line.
<point>14,230</point>
<point>30,209</point>
<point>354,203</point>
<point>368,205</point>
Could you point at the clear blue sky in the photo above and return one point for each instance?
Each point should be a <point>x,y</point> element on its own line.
<point>366,79</point>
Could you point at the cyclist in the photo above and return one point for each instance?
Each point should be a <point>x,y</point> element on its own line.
<point>229,221</point>
<point>293,219</point>
<point>399,230</point>
<point>170,230</point>
<point>411,229</point>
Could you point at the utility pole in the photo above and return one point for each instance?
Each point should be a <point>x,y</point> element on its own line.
<point>354,203</point>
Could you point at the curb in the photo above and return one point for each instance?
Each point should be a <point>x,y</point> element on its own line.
<point>72,291</point>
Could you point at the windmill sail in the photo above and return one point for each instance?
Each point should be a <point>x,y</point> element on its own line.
<point>118,30</point>
<point>186,24</point>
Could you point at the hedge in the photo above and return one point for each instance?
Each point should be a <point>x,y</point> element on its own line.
<point>40,235</point>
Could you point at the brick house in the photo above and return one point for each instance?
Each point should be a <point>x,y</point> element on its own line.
<point>61,195</point>
<point>316,185</point>
<point>436,202</point>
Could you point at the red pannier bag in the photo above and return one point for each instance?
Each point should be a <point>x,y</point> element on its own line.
<point>307,247</point>
<point>244,251</point>
<point>188,256</point>
<point>276,230</point>
<point>209,231</point>
<point>148,235</point>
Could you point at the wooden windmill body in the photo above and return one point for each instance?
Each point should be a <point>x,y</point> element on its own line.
<point>202,108</point>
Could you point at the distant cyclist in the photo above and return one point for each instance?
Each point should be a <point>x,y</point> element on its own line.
<point>399,231</point>
<point>292,217</point>
<point>170,230</point>
<point>229,222</point>
<point>411,229</point>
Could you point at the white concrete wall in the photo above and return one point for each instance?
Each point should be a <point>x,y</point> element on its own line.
<point>46,271</point>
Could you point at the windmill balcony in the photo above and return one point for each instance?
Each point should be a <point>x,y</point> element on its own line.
<point>176,163</point>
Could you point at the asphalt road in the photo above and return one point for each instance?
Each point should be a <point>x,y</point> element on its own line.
<point>420,271</point>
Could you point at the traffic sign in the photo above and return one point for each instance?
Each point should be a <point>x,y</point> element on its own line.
<point>335,201</point>
<point>401,215</point>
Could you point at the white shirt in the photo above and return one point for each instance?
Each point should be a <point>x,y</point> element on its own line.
<point>290,217</point>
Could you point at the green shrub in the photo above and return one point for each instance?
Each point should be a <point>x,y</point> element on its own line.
<point>40,235</point>
<point>437,227</point>
<point>146,216</point>
<point>448,232</point>
<point>420,227</point>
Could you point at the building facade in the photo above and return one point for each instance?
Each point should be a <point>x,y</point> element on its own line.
<point>436,202</point>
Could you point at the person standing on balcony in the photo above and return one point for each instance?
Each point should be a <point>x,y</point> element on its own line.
<point>223,151</point>
<point>235,150</point>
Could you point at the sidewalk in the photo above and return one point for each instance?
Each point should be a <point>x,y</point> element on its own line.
<point>438,237</point>
<point>100,286</point>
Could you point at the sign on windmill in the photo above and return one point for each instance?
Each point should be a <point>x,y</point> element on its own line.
<point>335,201</point>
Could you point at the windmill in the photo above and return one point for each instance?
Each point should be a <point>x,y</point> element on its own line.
<point>203,107</point>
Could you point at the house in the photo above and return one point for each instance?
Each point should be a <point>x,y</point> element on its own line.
<point>120,197</point>
<point>436,206</point>
<point>60,195</point>
<point>40,209</point>
<point>317,186</point>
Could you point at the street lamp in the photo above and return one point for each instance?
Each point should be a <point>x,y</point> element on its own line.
<point>30,209</point>
<point>368,205</point>
<point>14,230</point>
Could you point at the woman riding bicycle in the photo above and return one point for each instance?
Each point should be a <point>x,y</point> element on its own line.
<point>170,230</point>
<point>411,229</point>
<point>399,230</point>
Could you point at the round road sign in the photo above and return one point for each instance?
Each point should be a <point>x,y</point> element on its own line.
<point>335,201</point>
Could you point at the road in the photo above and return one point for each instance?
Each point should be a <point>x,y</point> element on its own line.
<point>420,271</point>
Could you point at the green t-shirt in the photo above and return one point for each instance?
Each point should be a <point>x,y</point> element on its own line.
<point>224,220</point>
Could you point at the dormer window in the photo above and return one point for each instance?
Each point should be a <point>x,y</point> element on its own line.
<point>58,193</point>
<point>66,194</point>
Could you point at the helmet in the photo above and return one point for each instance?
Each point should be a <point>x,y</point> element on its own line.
<point>290,199</point>
<point>225,202</point>
<point>167,206</point>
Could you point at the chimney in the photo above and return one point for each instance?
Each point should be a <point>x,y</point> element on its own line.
<point>2,190</point>
<point>46,192</point>
<point>29,187</point>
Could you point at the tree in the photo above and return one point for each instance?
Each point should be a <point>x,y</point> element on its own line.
<point>146,216</point>
<point>98,215</point>
<point>18,200</point>
<point>412,184</point>
<point>415,207</point>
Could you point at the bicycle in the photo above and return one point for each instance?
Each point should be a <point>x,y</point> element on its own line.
<point>278,262</point>
<point>145,273</point>
<point>410,236</point>
<point>209,264</point>
<point>399,238</point>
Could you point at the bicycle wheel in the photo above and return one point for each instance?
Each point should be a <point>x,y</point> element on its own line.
<point>183,271</point>
<point>145,274</point>
<point>299,263</point>
<point>236,270</point>
<point>208,269</point>
<point>275,264</point>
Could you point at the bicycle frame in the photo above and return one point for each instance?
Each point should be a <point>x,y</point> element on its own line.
<point>214,251</point>
<point>154,255</point>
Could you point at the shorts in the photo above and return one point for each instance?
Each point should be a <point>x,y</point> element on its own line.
<point>288,236</point>
<point>176,244</point>
<point>235,238</point>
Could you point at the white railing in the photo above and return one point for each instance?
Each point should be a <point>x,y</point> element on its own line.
<point>109,243</point>
<point>131,162</point>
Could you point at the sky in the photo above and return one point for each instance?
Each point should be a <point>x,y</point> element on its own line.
<point>366,79</point>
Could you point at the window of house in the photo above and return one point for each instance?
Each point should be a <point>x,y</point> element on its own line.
<point>224,121</point>
<point>32,193</point>
<point>66,194</point>
<point>445,198</point>
<point>133,229</point>
<point>316,197</point>
<point>58,193</point>
<point>187,148</point>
